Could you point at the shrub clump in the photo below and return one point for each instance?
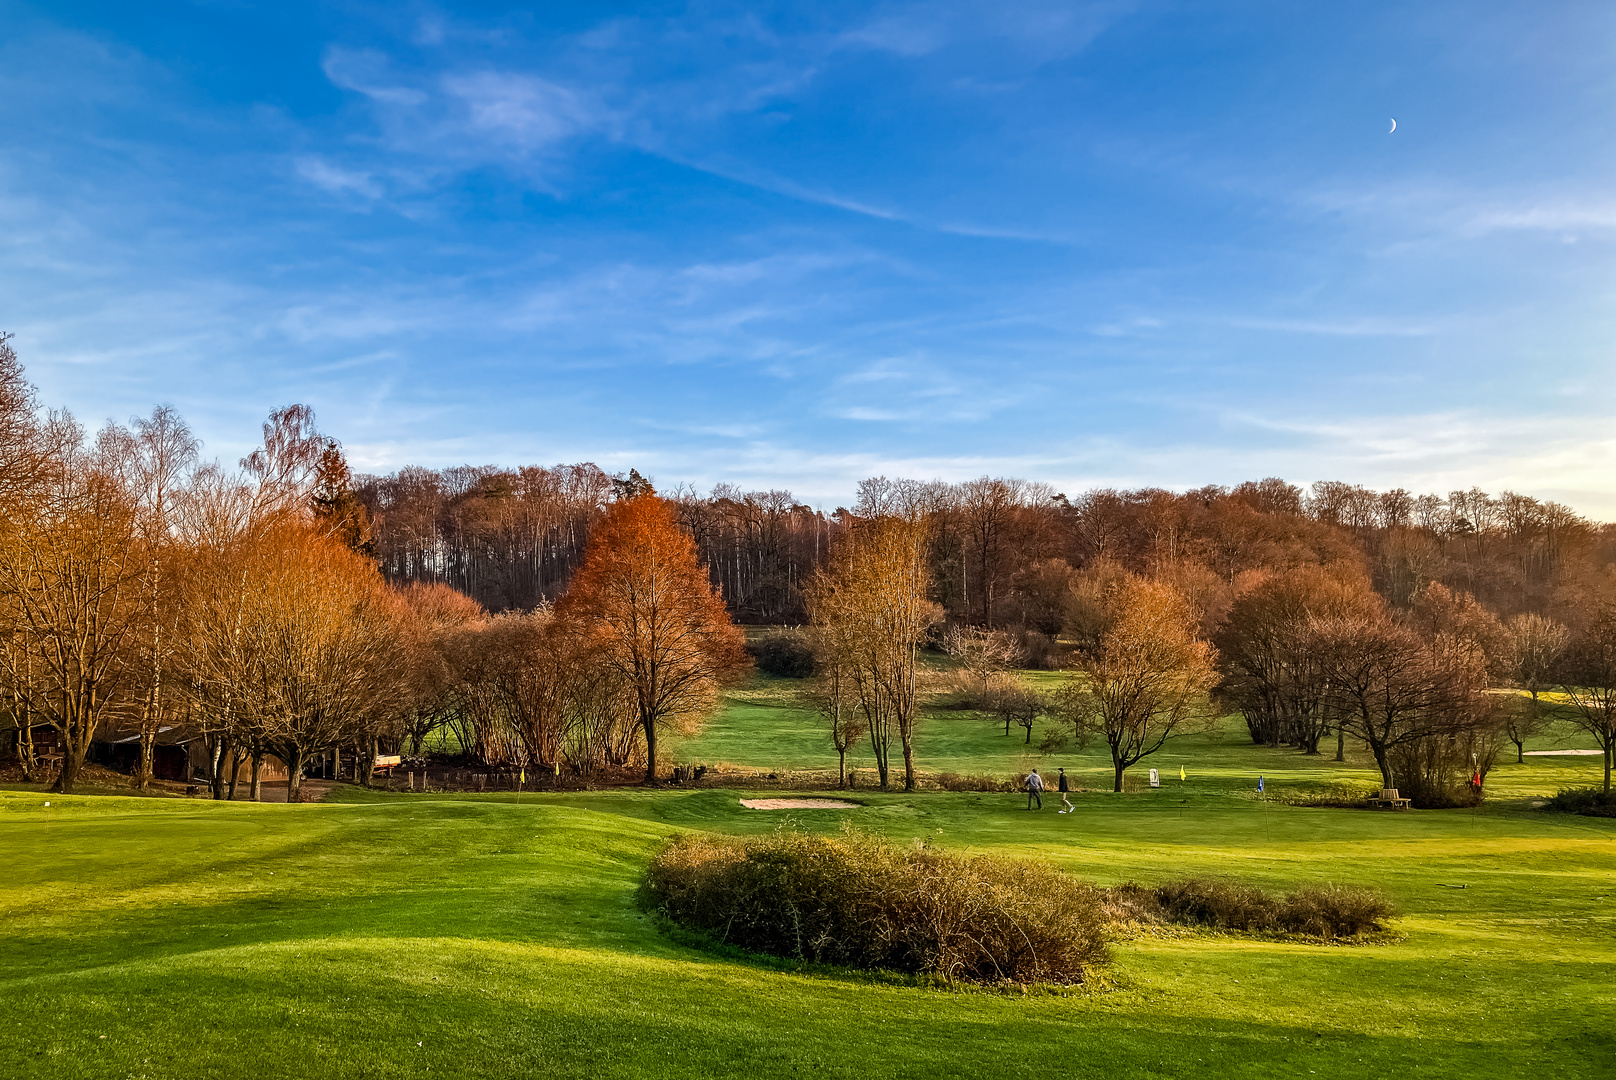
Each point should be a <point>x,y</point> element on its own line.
<point>1320,911</point>
<point>1590,802</point>
<point>782,653</point>
<point>951,781</point>
<point>859,901</point>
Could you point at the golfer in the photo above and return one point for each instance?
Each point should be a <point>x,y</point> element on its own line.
<point>1035,785</point>
<point>1064,788</point>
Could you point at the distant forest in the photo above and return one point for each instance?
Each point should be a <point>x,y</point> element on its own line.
<point>1003,552</point>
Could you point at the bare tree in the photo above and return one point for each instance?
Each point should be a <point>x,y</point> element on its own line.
<point>831,694</point>
<point>1391,688</point>
<point>870,610</point>
<point>1016,703</point>
<point>983,654</point>
<point>1535,646</point>
<point>71,575</point>
<point>1145,680</point>
<point>1588,677</point>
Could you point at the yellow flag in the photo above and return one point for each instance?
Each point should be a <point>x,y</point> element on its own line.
<point>1181,772</point>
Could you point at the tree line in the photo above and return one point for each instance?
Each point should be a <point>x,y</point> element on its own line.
<point>145,590</point>
<point>565,618</point>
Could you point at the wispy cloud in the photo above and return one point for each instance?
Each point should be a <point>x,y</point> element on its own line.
<point>524,111</point>
<point>337,180</point>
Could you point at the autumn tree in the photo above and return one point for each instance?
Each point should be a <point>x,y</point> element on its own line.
<point>1588,678</point>
<point>157,454</point>
<point>72,604</point>
<point>1534,646</point>
<point>983,655</point>
<point>1391,688</point>
<point>642,601</point>
<point>830,693</point>
<point>1146,678</point>
<point>337,508</point>
<point>433,615</point>
<point>294,646</point>
<point>870,613</point>
<point>1272,670</point>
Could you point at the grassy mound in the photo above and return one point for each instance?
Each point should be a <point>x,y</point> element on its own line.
<point>859,901</point>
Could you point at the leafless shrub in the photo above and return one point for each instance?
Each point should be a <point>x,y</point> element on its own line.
<point>1320,911</point>
<point>950,781</point>
<point>860,901</point>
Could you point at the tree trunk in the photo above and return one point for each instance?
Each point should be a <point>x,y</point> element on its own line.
<point>1029,734</point>
<point>908,762</point>
<point>293,756</point>
<point>148,751</point>
<point>257,789</point>
<point>1384,763</point>
<point>221,751</point>
<point>650,749</point>
<point>1117,764</point>
<point>1520,750</point>
<point>25,750</point>
<point>881,764</point>
<point>1340,743</point>
<point>841,767</point>
<point>73,764</point>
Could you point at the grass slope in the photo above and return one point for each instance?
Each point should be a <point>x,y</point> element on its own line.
<point>763,725</point>
<point>475,936</point>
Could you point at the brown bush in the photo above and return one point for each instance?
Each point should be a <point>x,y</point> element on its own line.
<point>1321,911</point>
<point>950,781</point>
<point>859,901</point>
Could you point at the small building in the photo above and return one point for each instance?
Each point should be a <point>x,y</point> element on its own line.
<point>171,756</point>
<point>46,740</point>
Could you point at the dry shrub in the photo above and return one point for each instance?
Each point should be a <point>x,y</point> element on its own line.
<point>1041,652</point>
<point>785,653</point>
<point>860,901</point>
<point>950,781</point>
<point>1320,911</point>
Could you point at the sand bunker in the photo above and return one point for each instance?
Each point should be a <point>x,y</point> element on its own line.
<point>1565,753</point>
<point>797,804</point>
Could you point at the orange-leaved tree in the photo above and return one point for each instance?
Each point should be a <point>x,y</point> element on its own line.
<point>645,603</point>
<point>1146,678</point>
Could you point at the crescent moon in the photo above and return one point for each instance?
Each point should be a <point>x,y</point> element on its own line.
<point>1394,125</point>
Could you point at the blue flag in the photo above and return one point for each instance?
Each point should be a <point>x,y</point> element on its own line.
<point>1259,783</point>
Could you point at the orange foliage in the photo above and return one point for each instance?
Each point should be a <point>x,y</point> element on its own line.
<point>644,602</point>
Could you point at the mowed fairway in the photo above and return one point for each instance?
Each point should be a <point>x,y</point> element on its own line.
<point>472,936</point>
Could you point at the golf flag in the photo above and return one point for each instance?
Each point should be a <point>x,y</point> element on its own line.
<point>1181,772</point>
<point>1259,782</point>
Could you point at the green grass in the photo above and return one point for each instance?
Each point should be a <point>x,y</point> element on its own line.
<point>762,725</point>
<point>395,935</point>
<point>472,936</point>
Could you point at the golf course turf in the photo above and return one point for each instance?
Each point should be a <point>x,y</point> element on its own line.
<point>489,935</point>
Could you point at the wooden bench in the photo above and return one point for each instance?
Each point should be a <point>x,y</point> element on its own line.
<point>1388,797</point>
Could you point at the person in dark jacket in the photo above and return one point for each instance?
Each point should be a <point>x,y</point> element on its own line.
<point>1064,788</point>
<point>1035,785</point>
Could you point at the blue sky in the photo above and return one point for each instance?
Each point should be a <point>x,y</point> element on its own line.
<point>795,245</point>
